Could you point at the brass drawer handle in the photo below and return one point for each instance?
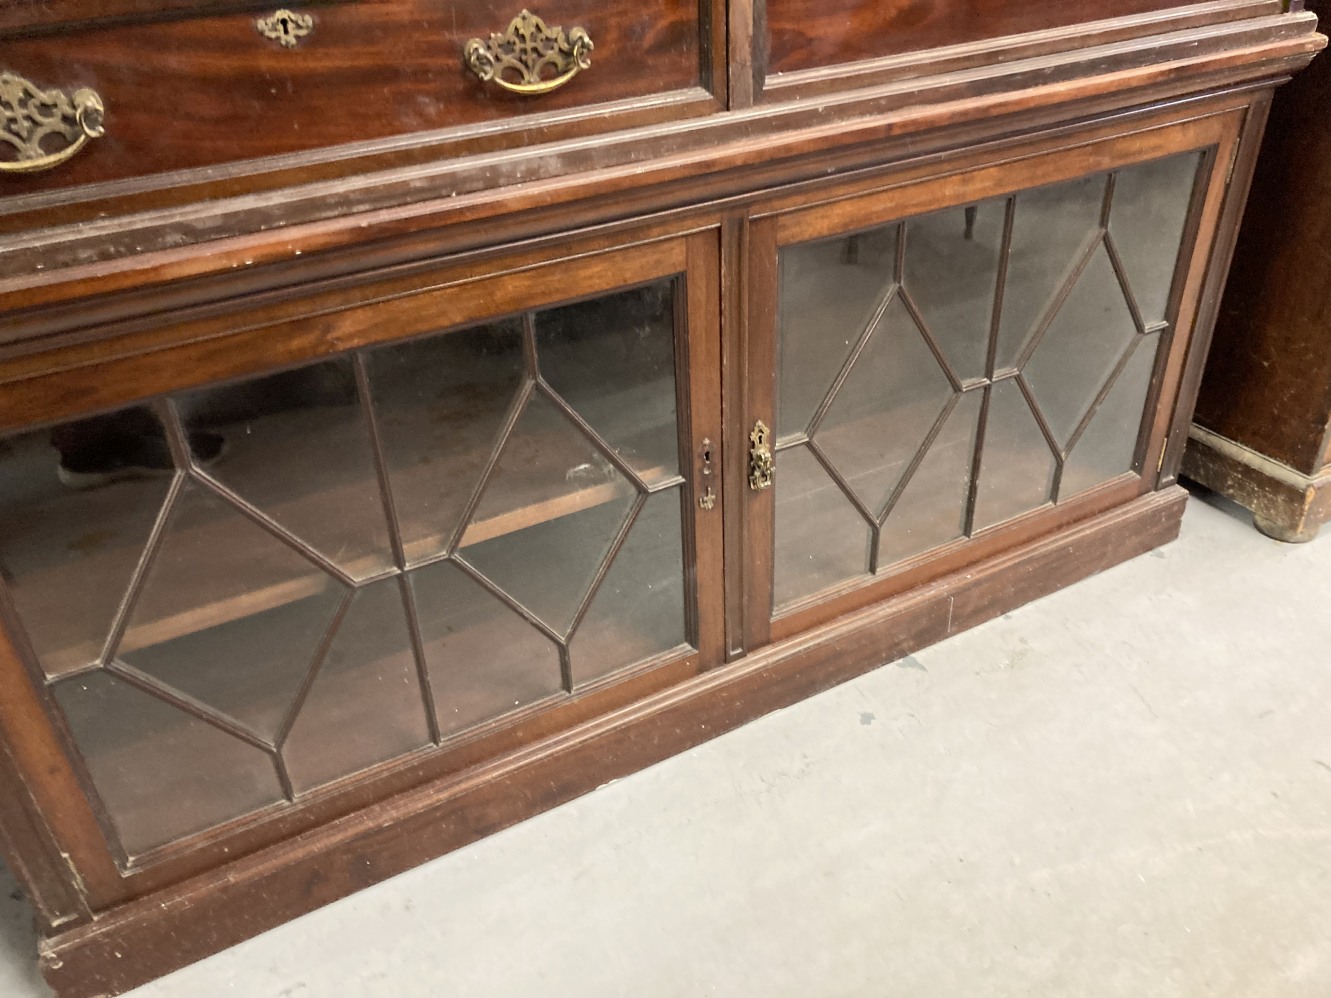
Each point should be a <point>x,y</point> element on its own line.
<point>519,59</point>
<point>30,116</point>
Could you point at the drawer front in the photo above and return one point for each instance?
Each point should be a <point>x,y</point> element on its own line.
<point>804,34</point>
<point>194,92</point>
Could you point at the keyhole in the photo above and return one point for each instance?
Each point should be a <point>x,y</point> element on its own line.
<point>707,457</point>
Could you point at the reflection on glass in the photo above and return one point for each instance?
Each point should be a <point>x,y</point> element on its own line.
<point>1149,209</point>
<point>249,667</point>
<point>1017,465</point>
<point>885,408</point>
<point>639,609</point>
<point>441,405</point>
<point>215,566</point>
<point>932,507</point>
<point>951,274</point>
<point>256,585</point>
<point>298,448</point>
<point>1052,228</point>
<point>820,537</point>
<point>71,534</point>
<point>161,773</point>
<point>1108,445</point>
<point>829,292</point>
<point>548,515</point>
<point>484,659</point>
<point>613,360</point>
<point>365,705</point>
<point>1084,342</point>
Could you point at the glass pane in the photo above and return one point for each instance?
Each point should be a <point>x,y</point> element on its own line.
<point>1108,445</point>
<point>1149,209</point>
<point>215,567</point>
<point>72,530</point>
<point>548,515</point>
<point>885,408</point>
<point>161,773</point>
<point>932,508</point>
<point>829,292</point>
<point>1051,229</point>
<point>821,539</point>
<point>248,668</point>
<point>951,274</point>
<point>441,404</point>
<point>1081,347</point>
<point>484,659</point>
<point>297,446</point>
<point>639,609</point>
<point>1016,464</point>
<point>613,360</point>
<point>365,705</point>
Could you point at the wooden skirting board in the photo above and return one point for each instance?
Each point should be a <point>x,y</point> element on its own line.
<point>143,939</point>
<point>1285,504</point>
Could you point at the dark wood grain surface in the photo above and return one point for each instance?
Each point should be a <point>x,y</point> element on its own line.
<point>1268,379</point>
<point>806,34</point>
<point>194,91</point>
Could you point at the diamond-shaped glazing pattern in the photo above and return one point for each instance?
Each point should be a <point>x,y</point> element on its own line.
<point>1044,380</point>
<point>298,448</point>
<point>441,404</point>
<point>1146,221</point>
<point>484,660</point>
<point>67,554</point>
<point>162,773</point>
<point>549,512</point>
<point>829,292</point>
<point>639,610</point>
<point>1052,229</point>
<point>1107,446</point>
<point>1081,346</point>
<point>613,360</point>
<point>287,581</point>
<point>820,537</point>
<point>1017,465</point>
<point>931,509</point>
<point>365,703</point>
<point>951,272</point>
<point>884,407</point>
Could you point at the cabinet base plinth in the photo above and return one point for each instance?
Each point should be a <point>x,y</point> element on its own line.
<point>1286,504</point>
<point>169,929</point>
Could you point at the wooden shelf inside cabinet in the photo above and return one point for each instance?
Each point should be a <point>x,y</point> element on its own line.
<point>323,492</point>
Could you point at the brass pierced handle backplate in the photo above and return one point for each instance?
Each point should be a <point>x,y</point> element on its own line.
<point>33,120</point>
<point>530,58</point>
<point>761,466</point>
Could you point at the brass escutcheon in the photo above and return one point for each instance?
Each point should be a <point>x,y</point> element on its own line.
<point>761,465</point>
<point>286,27</point>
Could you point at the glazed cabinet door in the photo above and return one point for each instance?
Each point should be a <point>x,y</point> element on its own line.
<point>937,378</point>
<point>243,601</point>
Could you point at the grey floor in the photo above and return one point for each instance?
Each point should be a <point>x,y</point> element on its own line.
<point>1124,789</point>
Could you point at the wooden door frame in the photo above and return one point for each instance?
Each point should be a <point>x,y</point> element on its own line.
<point>61,804</point>
<point>846,208</point>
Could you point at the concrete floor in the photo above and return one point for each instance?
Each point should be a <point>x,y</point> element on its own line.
<point>1124,789</point>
